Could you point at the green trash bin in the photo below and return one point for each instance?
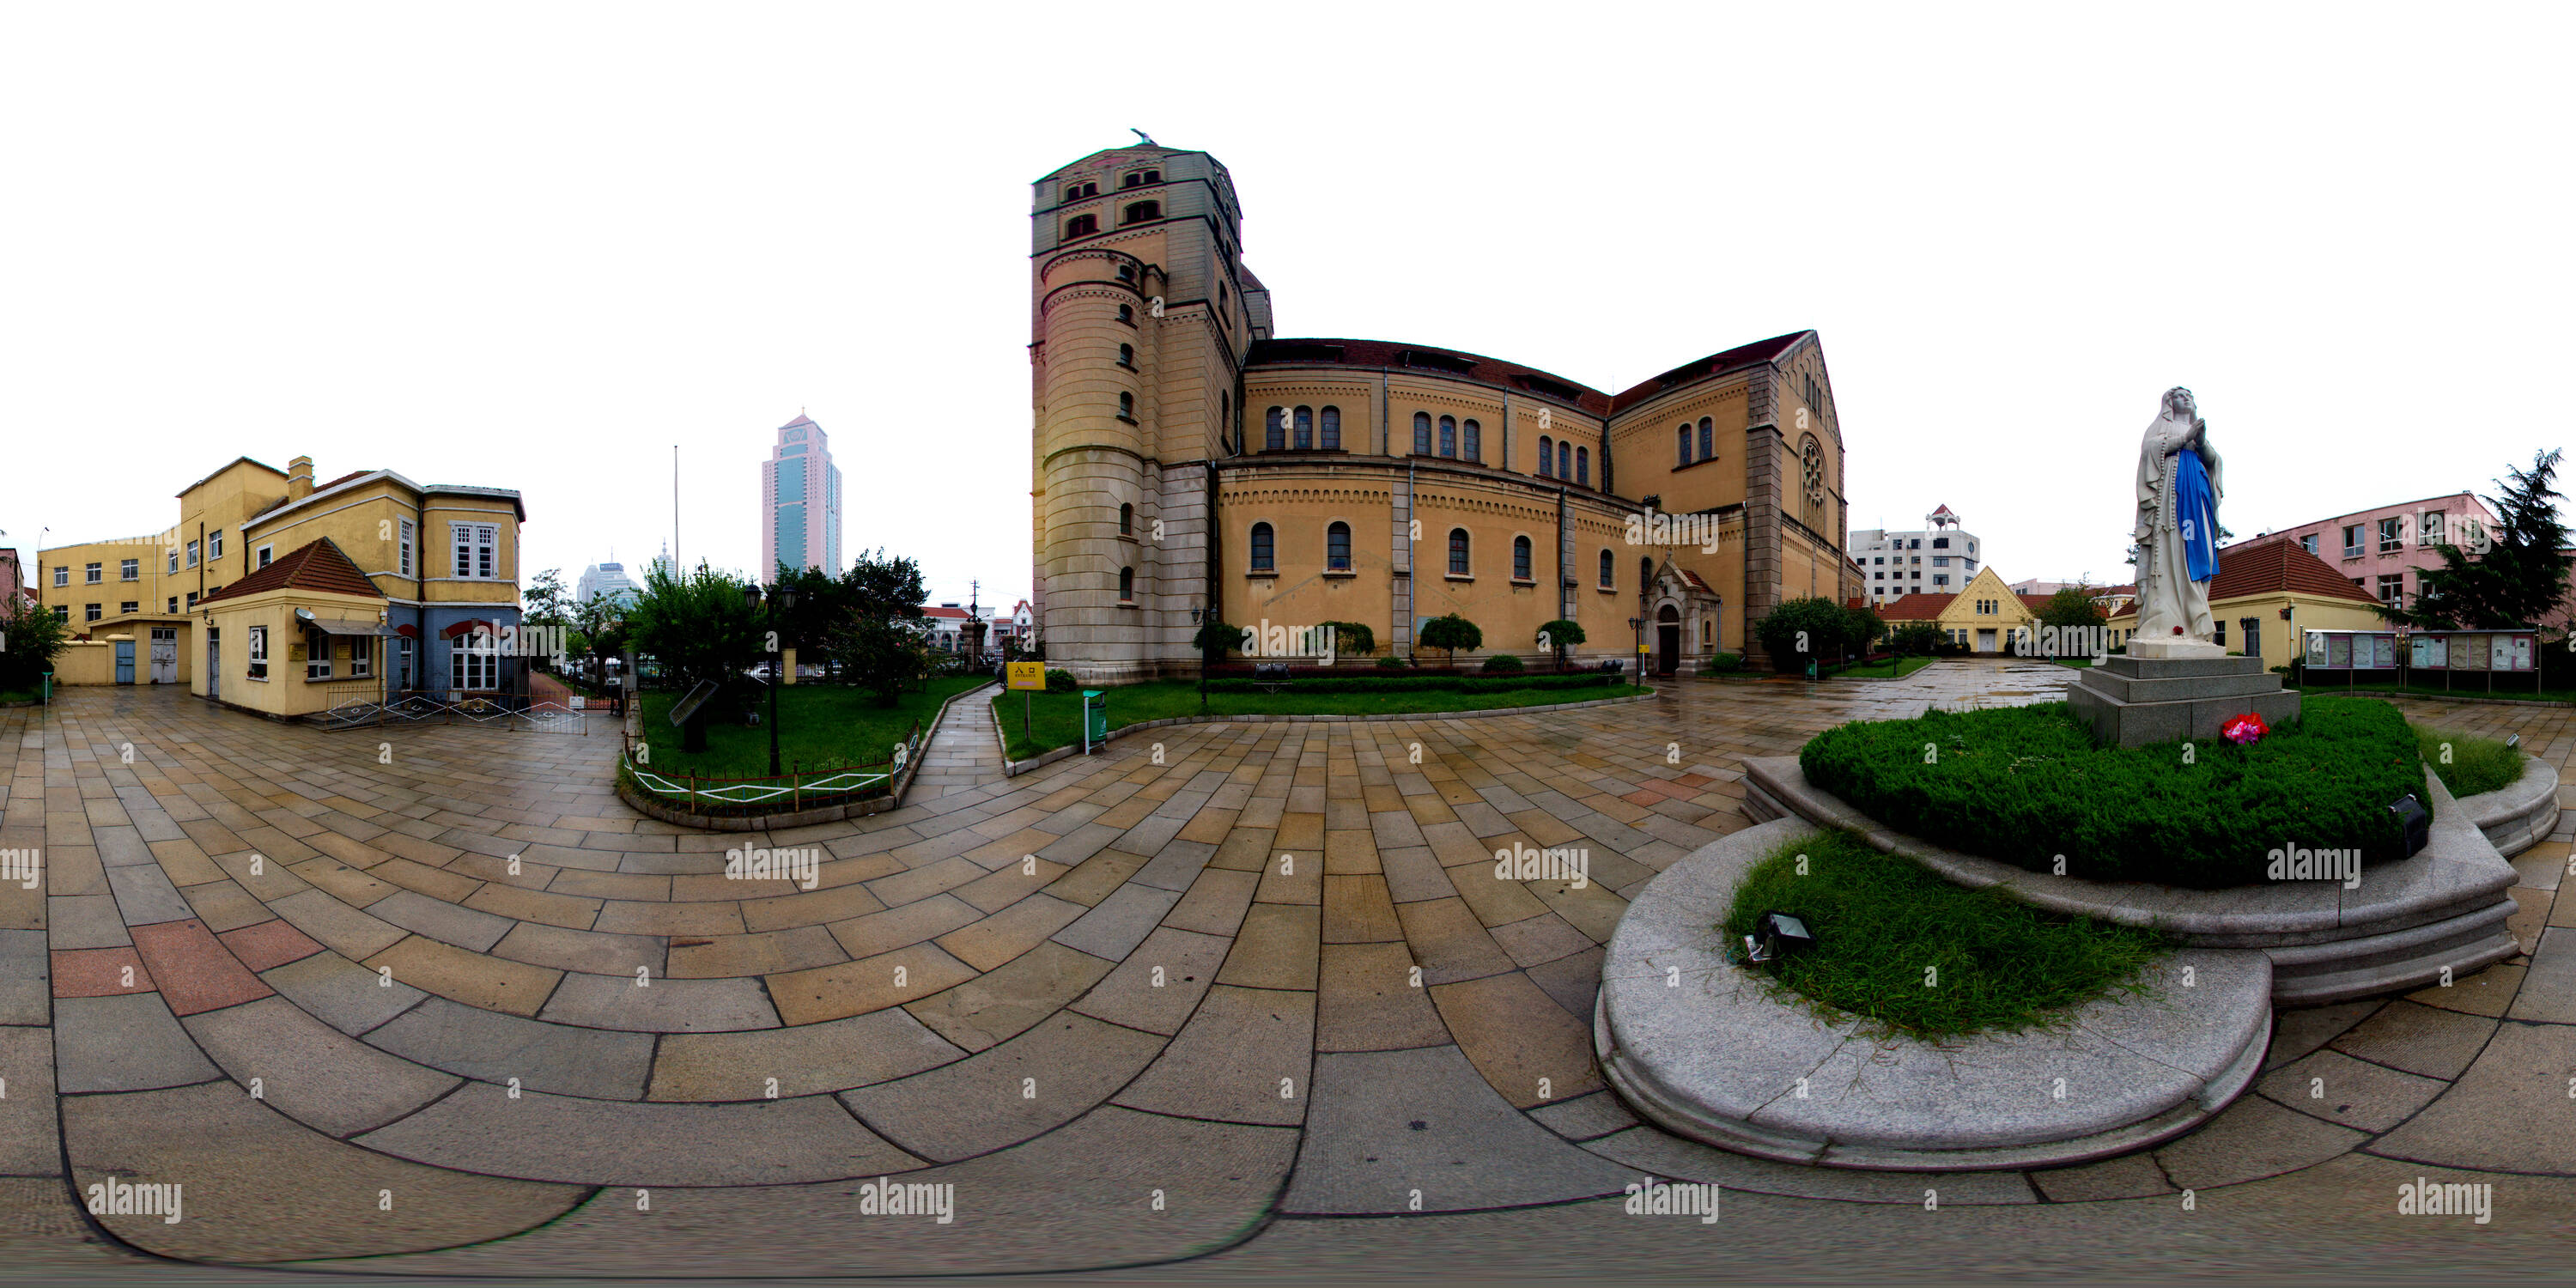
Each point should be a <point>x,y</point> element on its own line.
<point>1095,719</point>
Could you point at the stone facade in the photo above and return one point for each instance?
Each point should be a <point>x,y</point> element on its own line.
<point>1188,463</point>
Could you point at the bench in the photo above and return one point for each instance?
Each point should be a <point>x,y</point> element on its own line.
<point>1271,676</point>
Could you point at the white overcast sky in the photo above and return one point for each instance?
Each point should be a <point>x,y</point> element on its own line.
<point>535,246</point>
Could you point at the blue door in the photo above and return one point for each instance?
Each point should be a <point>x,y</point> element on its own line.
<point>125,661</point>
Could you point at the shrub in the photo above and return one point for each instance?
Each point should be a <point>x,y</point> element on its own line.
<point>1214,639</point>
<point>2025,785</point>
<point>1061,681</point>
<point>1503,664</point>
<point>1822,626</point>
<point>1352,639</point>
<point>1558,636</point>
<point>1392,663</point>
<point>1921,639</point>
<point>1425,682</point>
<point>1449,633</point>
<point>1722,663</point>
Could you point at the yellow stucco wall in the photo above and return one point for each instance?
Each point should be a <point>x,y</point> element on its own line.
<point>286,691</point>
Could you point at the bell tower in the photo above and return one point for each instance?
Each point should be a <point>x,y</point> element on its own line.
<point>1139,322</point>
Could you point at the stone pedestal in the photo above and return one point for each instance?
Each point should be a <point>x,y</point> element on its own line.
<point>2134,701</point>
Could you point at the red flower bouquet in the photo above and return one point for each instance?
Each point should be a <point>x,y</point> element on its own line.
<point>2244,730</point>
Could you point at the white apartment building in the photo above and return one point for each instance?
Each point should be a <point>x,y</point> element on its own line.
<point>1937,559</point>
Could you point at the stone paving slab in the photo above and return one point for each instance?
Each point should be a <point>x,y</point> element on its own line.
<point>257,1187</point>
<point>312,1072</point>
<point>342,993</point>
<point>1388,1124</point>
<point>2417,1039</point>
<point>537,1136</point>
<point>1031,1084</point>
<point>2333,1087</point>
<point>1243,1058</point>
<point>2523,1067</point>
<point>1650,1151</point>
<point>30,1144</point>
<point>1159,985</point>
<point>129,1043</point>
<point>661,1006</point>
<point>835,1055</point>
<point>493,1047</point>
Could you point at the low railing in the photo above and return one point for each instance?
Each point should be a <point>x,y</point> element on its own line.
<point>421,706</point>
<point>798,789</point>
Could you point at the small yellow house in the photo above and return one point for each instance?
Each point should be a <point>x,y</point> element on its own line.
<point>297,637</point>
<point>1981,617</point>
<point>2266,592</point>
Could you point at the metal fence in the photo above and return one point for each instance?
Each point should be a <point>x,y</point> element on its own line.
<point>800,788</point>
<point>514,711</point>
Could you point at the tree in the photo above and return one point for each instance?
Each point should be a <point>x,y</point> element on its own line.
<point>545,602</point>
<point>1921,639</point>
<point>1805,630</point>
<point>600,625</point>
<point>31,637</point>
<point>1558,636</point>
<point>2072,606</point>
<point>1865,626</point>
<point>2520,579</point>
<point>808,626</point>
<point>1214,639</point>
<point>700,630</point>
<point>1352,639</point>
<point>877,631</point>
<point>1450,633</point>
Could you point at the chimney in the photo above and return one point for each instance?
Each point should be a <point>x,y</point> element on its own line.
<point>299,478</point>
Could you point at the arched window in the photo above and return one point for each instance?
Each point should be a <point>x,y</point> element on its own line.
<point>1707,631</point>
<point>1127,406</point>
<point>1127,314</point>
<point>1274,434</point>
<point>1449,436</point>
<point>1127,356</point>
<point>1305,429</point>
<point>1685,440</point>
<point>1153,176</point>
<point>1707,443</point>
<point>1143,211</point>
<point>1421,433</point>
<point>1081,226</point>
<point>1225,421</point>
<point>1264,558</point>
<point>1645,575</point>
<point>1126,272</point>
<point>1337,547</point>
<point>1332,429</point>
<point>1126,520</point>
<point>1457,552</point>
<point>1521,558</point>
<point>1474,448</point>
<point>1606,573</point>
<point>1583,467</point>
<point>1546,456</point>
<point>1564,461</point>
<point>1126,585</point>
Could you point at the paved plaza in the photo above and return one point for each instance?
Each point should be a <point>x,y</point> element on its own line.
<point>434,1001</point>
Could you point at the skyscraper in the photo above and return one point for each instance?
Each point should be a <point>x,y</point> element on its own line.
<point>800,493</point>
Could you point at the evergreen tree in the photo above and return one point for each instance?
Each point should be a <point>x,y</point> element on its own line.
<point>2520,579</point>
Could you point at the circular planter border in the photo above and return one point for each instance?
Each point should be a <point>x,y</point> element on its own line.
<point>1719,1058</point>
<point>892,799</point>
<point>1014,768</point>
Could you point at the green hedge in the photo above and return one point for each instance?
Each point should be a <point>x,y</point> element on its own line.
<point>2026,784</point>
<point>1421,683</point>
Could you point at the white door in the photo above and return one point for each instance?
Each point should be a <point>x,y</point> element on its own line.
<point>214,664</point>
<point>165,655</point>
<point>1985,641</point>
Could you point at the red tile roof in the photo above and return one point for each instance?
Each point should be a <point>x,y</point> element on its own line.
<point>2261,567</point>
<point>353,474</point>
<point>1472,367</point>
<point>2033,602</point>
<point>1737,358</point>
<point>316,565</point>
<point>1916,607</point>
<point>944,611</point>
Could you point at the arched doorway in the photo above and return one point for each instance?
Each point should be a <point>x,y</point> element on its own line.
<point>1668,640</point>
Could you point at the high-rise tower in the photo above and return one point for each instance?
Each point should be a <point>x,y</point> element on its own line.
<point>1141,315</point>
<point>800,494</point>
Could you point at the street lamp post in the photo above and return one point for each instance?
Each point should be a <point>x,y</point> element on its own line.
<point>1637,627</point>
<point>781,599</point>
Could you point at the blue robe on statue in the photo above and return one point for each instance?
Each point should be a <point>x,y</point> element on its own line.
<point>2196,512</point>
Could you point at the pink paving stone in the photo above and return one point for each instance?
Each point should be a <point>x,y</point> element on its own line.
<point>98,972</point>
<point>195,971</point>
<point>270,943</point>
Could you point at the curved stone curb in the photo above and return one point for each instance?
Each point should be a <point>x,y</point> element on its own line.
<point>2520,814</point>
<point>2405,925</point>
<point>1014,768</point>
<point>1721,1060</point>
<point>893,799</point>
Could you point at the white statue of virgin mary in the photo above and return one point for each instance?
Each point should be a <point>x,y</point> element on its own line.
<point>2178,491</point>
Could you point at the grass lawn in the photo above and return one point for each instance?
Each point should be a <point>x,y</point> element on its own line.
<point>2466,684</point>
<point>1054,719</point>
<point>822,726</point>
<point>2469,765</point>
<point>1881,922</point>
<point>19,695</point>
<point>1890,669</point>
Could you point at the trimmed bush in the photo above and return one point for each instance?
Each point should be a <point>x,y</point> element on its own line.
<point>1393,663</point>
<point>1503,664</point>
<point>1430,682</point>
<point>2026,784</point>
<point>1061,681</point>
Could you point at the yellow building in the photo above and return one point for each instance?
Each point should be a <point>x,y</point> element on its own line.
<point>2266,592</point>
<point>439,560</point>
<point>1189,463</point>
<point>1981,617</point>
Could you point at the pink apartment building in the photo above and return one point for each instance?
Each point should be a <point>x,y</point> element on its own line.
<point>2386,550</point>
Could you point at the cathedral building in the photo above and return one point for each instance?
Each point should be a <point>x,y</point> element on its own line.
<point>1188,462</point>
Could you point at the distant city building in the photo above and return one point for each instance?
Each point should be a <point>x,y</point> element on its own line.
<point>2034,586</point>
<point>800,494</point>
<point>13,583</point>
<point>1980,617</point>
<point>606,579</point>
<point>1937,559</point>
<point>946,626</point>
<point>2375,549</point>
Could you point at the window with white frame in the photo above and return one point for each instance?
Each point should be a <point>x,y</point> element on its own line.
<point>317,655</point>
<point>404,555</point>
<point>89,574</point>
<point>362,656</point>
<point>129,570</point>
<point>174,559</point>
<point>265,553</point>
<point>215,544</point>
<point>63,572</point>
<point>192,554</point>
<point>474,661</point>
<point>478,550</point>
<point>259,652</point>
